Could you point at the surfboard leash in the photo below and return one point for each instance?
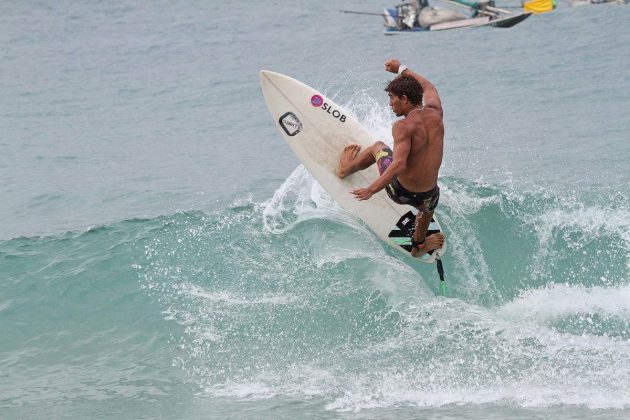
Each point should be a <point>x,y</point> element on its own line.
<point>440,270</point>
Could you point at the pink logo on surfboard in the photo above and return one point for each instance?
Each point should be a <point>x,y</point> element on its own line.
<point>317,100</point>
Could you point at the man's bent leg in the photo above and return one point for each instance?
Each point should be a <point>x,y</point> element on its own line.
<point>429,243</point>
<point>352,161</point>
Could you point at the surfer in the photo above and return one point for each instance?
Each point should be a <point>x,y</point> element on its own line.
<point>415,160</point>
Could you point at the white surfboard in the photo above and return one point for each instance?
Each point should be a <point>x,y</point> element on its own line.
<point>317,130</point>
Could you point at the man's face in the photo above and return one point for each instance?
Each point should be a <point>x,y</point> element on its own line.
<point>396,103</point>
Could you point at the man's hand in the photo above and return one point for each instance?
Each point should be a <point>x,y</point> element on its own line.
<point>392,65</point>
<point>362,194</point>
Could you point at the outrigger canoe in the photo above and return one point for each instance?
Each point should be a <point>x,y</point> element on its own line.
<point>398,18</point>
<point>505,22</point>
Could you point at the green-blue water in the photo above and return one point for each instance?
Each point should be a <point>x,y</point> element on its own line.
<point>164,255</point>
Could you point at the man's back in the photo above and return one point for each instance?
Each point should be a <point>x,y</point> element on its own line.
<point>427,146</point>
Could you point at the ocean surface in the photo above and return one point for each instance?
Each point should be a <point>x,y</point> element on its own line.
<point>163,254</point>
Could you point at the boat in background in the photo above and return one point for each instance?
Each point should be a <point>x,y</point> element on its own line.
<point>419,16</point>
<point>574,3</point>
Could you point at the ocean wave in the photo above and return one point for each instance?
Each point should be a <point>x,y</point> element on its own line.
<point>294,297</point>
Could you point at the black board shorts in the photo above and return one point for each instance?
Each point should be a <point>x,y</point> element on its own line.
<point>424,201</point>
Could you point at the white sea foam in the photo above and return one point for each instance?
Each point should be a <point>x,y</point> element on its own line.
<point>510,362</point>
<point>300,198</point>
<point>395,392</point>
<point>590,222</point>
<point>196,291</point>
<point>296,380</point>
<point>559,300</point>
<point>465,202</point>
<point>374,115</point>
<point>578,228</point>
<point>489,357</point>
<point>245,201</point>
<point>474,277</point>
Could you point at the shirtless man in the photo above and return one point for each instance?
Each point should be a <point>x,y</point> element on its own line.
<point>409,173</point>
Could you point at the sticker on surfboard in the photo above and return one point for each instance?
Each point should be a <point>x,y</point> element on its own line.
<point>290,123</point>
<point>405,227</point>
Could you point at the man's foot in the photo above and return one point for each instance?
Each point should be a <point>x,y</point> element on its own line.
<point>346,160</point>
<point>431,243</point>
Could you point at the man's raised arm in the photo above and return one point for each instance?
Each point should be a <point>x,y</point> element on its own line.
<point>430,97</point>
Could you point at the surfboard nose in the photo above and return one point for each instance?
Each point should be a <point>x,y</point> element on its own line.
<point>266,76</point>
<point>270,75</point>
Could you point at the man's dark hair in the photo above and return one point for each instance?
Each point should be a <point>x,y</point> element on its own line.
<point>408,86</point>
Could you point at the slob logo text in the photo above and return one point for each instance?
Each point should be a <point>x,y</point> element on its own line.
<point>317,101</point>
<point>334,112</point>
